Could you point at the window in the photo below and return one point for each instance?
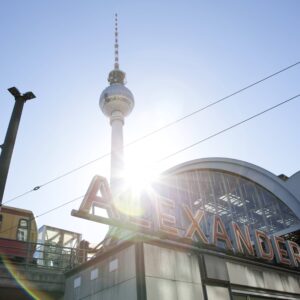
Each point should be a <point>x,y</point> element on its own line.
<point>22,231</point>
<point>217,292</point>
<point>239,297</point>
<point>77,282</point>
<point>229,195</point>
<point>266,297</point>
<point>113,265</point>
<point>94,274</point>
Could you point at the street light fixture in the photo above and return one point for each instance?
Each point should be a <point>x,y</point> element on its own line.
<point>16,93</point>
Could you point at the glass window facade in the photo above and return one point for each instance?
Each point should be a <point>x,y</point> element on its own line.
<point>231,196</point>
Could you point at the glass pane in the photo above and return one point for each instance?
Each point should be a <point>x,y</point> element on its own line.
<point>231,196</point>
<point>217,292</point>
<point>22,234</point>
<point>239,297</point>
<point>23,223</point>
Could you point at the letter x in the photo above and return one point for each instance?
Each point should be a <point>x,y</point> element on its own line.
<point>194,227</point>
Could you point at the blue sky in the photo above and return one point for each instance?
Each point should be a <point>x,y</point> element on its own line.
<point>178,56</point>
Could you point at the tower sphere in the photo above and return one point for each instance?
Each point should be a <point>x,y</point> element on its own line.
<point>116,97</point>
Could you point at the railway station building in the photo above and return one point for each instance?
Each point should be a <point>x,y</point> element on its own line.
<point>213,228</point>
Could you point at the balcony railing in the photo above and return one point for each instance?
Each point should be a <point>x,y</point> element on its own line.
<point>46,255</point>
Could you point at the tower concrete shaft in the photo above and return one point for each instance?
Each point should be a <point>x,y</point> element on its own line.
<point>117,153</point>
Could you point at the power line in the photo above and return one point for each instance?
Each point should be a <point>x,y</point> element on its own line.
<point>213,103</point>
<point>154,131</point>
<point>59,206</point>
<point>45,213</point>
<point>175,153</point>
<point>228,128</point>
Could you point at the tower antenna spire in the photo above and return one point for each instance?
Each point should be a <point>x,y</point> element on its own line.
<point>116,43</point>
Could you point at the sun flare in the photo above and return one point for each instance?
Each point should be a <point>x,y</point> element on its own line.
<point>137,183</point>
<point>139,179</point>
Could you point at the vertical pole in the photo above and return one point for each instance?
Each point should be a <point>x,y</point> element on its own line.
<point>140,271</point>
<point>8,146</point>
<point>9,142</point>
<point>203,275</point>
<point>29,257</point>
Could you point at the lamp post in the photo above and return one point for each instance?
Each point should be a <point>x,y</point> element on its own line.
<point>8,146</point>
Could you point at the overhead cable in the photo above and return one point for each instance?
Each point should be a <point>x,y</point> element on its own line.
<point>228,128</point>
<point>179,151</point>
<point>154,131</point>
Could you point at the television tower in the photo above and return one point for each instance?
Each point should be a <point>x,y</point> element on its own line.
<point>116,102</point>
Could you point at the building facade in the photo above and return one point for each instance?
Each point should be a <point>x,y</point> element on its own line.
<point>211,228</point>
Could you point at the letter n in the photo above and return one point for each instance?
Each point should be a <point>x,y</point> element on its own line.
<point>241,241</point>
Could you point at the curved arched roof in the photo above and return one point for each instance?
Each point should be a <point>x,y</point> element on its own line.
<point>252,172</point>
<point>293,184</point>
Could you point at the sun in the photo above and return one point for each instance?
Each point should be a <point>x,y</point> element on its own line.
<point>137,182</point>
<point>139,179</point>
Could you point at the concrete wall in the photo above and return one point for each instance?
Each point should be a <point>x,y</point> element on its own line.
<point>171,274</point>
<point>174,274</point>
<point>263,280</point>
<point>113,278</point>
<point>40,281</point>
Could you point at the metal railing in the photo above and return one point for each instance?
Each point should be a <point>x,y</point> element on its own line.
<point>50,256</point>
<point>55,257</point>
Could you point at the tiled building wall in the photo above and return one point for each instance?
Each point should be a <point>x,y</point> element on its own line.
<point>245,277</point>
<point>263,278</point>
<point>111,279</point>
<point>171,274</point>
<point>174,274</point>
